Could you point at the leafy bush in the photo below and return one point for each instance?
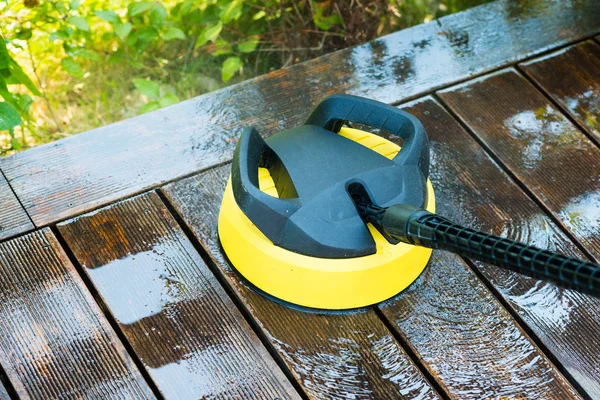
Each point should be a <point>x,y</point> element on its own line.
<point>100,61</point>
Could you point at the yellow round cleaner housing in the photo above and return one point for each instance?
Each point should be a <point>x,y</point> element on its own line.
<point>289,221</point>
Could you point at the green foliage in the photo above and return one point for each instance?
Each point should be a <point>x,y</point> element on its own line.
<point>14,104</point>
<point>103,60</point>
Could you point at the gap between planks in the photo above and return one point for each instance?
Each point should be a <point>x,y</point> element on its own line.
<point>514,178</point>
<point>530,332</point>
<point>487,283</point>
<point>448,24</point>
<point>268,345</point>
<point>478,291</point>
<point>431,92</point>
<point>528,76</point>
<point>231,293</point>
<point>504,166</point>
<point>107,314</point>
<point>253,323</point>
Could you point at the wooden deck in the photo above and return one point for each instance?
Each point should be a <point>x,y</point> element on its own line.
<point>113,284</point>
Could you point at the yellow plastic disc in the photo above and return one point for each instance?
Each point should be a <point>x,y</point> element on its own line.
<point>321,282</point>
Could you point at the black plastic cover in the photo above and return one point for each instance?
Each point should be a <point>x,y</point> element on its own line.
<point>314,168</point>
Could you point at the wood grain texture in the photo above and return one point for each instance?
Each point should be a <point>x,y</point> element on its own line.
<point>572,77</point>
<point>468,341</point>
<point>54,341</point>
<point>71,176</point>
<point>472,190</point>
<point>332,355</point>
<point>556,161</point>
<point>13,218</point>
<point>3,393</point>
<point>178,319</point>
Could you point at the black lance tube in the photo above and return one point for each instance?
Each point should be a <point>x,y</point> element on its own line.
<point>421,228</point>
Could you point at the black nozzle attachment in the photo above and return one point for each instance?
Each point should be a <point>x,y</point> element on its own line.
<point>419,227</point>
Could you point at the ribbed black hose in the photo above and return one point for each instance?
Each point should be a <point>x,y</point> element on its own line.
<point>419,227</point>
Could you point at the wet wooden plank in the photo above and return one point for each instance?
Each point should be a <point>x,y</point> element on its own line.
<point>556,161</point>
<point>510,364</point>
<point>187,332</point>
<point>68,177</point>
<point>54,341</point>
<point>572,77</point>
<point>472,190</point>
<point>468,341</point>
<point>3,392</point>
<point>332,355</point>
<point>13,218</point>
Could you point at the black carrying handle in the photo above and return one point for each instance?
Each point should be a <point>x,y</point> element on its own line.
<point>268,213</point>
<point>338,109</point>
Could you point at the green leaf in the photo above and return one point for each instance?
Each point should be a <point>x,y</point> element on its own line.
<point>72,67</point>
<point>157,15</point>
<point>223,47</point>
<point>153,105</point>
<point>210,33</point>
<point>233,10</point>
<point>168,100</point>
<point>108,15</point>
<point>14,142</point>
<point>138,8</point>
<point>59,35</point>
<point>148,88</point>
<point>79,22</point>
<point>186,7</point>
<point>87,54</point>
<point>24,34</point>
<point>4,56</point>
<point>145,34</point>
<point>173,33</point>
<point>259,15</point>
<point>74,5</point>
<point>9,117</point>
<point>24,102</point>
<point>18,74</point>
<point>230,67</point>
<point>323,22</point>
<point>249,46</point>
<point>122,30</point>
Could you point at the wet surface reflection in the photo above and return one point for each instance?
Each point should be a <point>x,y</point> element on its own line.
<point>177,317</point>
<point>332,355</point>
<point>525,127</point>
<point>470,341</point>
<point>471,189</point>
<point>556,161</point>
<point>69,177</point>
<point>578,88</point>
<point>54,341</point>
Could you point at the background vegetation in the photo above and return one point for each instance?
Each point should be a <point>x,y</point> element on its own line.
<point>70,66</point>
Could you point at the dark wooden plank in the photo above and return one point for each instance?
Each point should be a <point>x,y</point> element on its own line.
<point>13,218</point>
<point>471,189</point>
<point>54,341</point>
<point>180,322</point>
<point>66,178</point>
<point>502,367</point>
<point>556,161</point>
<point>572,77</point>
<point>468,341</point>
<point>335,355</point>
